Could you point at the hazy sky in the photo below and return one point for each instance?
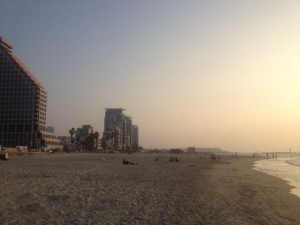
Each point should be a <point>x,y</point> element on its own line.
<point>190,73</point>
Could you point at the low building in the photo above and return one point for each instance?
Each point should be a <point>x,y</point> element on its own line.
<point>50,141</point>
<point>191,150</point>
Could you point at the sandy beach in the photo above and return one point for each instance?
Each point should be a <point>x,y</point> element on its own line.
<point>99,189</point>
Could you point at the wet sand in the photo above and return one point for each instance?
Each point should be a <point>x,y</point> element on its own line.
<point>99,189</point>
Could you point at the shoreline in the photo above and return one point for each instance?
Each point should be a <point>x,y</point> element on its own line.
<point>95,188</point>
<point>284,168</point>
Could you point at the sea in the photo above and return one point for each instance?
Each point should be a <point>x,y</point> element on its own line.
<point>286,168</point>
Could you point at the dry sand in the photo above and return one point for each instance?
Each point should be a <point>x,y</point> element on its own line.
<point>99,189</point>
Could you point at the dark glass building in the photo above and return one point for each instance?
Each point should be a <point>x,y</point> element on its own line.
<point>23,102</point>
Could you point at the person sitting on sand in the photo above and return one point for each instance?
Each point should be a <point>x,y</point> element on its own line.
<point>128,163</point>
<point>173,159</point>
<point>213,157</point>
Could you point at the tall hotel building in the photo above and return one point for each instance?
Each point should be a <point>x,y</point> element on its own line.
<point>135,137</point>
<point>23,102</point>
<point>115,121</point>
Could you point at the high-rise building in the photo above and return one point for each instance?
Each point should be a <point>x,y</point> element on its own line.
<point>23,102</point>
<point>114,117</point>
<point>127,132</point>
<point>120,125</point>
<point>114,128</point>
<point>135,137</point>
<point>87,130</point>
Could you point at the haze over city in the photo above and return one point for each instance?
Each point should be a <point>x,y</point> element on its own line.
<point>190,73</point>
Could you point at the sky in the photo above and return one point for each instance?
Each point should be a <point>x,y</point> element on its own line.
<point>215,73</point>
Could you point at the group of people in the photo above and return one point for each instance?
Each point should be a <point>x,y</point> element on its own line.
<point>173,159</point>
<point>274,156</point>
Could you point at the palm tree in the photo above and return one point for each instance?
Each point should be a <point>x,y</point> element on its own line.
<point>71,132</point>
<point>89,142</point>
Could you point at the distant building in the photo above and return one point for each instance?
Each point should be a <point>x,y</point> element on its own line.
<point>176,151</point>
<point>87,130</point>
<point>127,132</point>
<point>191,150</point>
<point>135,137</point>
<point>118,126</point>
<point>23,101</point>
<point>49,140</point>
<point>114,128</point>
<point>50,129</point>
<point>114,117</point>
<point>85,139</point>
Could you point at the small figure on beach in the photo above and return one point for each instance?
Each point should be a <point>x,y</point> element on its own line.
<point>213,157</point>
<point>125,162</point>
<point>173,159</point>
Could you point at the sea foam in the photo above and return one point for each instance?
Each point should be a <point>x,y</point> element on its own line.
<point>285,168</point>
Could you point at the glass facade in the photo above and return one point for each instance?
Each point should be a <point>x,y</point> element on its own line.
<point>120,124</point>
<point>23,102</point>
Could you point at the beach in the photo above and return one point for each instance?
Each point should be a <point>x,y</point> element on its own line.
<point>94,188</point>
<point>286,168</point>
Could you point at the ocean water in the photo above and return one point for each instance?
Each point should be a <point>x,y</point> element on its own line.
<point>285,168</point>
